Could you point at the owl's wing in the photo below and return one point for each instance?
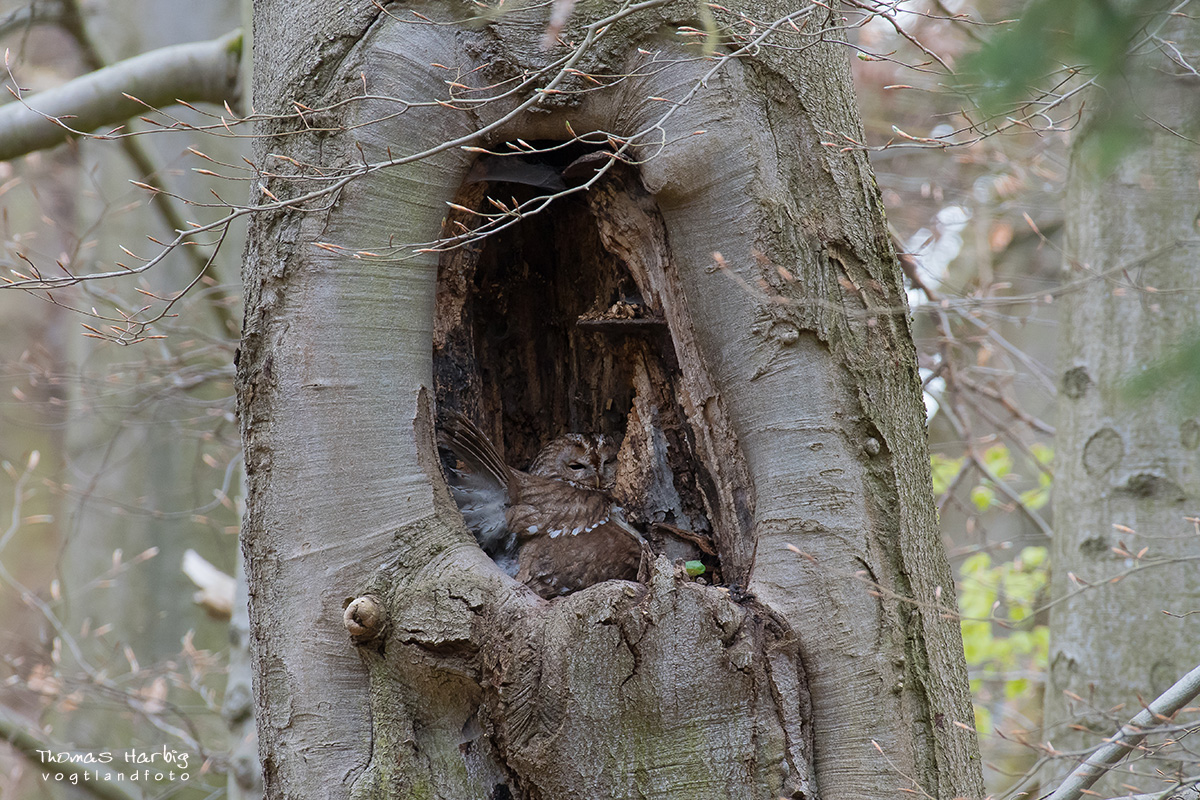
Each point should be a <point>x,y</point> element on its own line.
<point>541,506</point>
<point>472,447</point>
<point>482,502</point>
<point>479,483</point>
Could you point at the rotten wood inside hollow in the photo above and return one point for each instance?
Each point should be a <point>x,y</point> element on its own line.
<point>541,329</point>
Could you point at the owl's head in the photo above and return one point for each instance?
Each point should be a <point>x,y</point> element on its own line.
<point>588,461</point>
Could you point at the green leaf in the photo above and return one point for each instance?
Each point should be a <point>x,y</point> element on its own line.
<point>694,568</point>
<point>945,470</point>
<point>1035,498</point>
<point>1054,38</point>
<point>1178,372</point>
<point>976,638</point>
<point>1032,558</point>
<point>1015,688</point>
<point>982,497</point>
<point>1043,453</point>
<point>983,720</point>
<point>974,565</point>
<point>999,460</point>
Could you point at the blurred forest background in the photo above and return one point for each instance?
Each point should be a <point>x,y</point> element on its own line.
<point>119,498</point>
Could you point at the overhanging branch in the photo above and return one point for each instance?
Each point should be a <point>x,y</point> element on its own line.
<point>204,72</point>
<point>1130,735</point>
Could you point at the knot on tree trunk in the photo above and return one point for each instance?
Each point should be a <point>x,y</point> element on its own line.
<point>365,619</point>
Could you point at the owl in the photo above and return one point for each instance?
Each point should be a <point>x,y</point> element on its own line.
<point>554,528</point>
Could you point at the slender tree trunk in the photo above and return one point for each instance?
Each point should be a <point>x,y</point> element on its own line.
<point>782,381</point>
<point>1126,475</point>
<point>133,454</point>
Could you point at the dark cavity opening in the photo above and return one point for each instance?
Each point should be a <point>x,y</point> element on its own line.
<point>542,329</point>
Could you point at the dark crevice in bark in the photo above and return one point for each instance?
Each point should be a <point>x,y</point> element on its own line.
<point>541,330</point>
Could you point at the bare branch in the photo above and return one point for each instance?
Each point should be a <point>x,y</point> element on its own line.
<point>195,72</point>
<point>149,171</point>
<point>1131,733</point>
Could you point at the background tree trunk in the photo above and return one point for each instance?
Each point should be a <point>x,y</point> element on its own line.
<point>132,448</point>
<point>1126,474</point>
<point>115,654</point>
<point>784,376</point>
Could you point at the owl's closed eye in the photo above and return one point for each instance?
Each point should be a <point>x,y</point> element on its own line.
<point>583,460</point>
<point>554,528</point>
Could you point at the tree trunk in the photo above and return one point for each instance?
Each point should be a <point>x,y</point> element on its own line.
<point>1126,476</point>
<point>134,461</point>
<point>768,396</point>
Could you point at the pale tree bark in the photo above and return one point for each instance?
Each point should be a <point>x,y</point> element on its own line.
<point>782,379</point>
<point>1127,484</point>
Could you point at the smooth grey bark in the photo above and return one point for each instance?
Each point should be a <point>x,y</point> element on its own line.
<point>1126,472</point>
<point>201,72</point>
<point>842,677</point>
